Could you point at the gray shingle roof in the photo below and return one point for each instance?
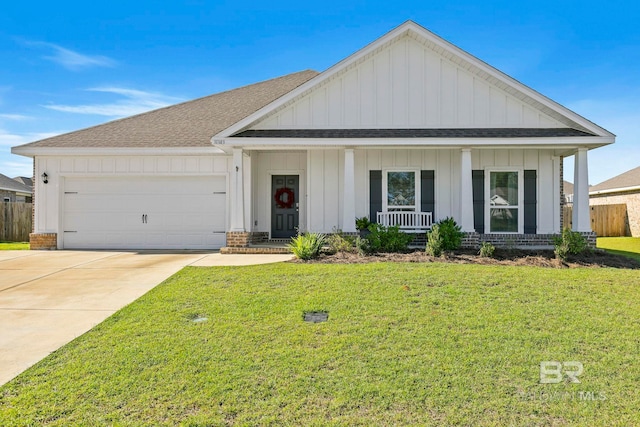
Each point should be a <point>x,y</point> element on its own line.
<point>568,187</point>
<point>629,178</point>
<point>414,133</point>
<point>189,124</point>
<point>24,180</point>
<point>7,183</point>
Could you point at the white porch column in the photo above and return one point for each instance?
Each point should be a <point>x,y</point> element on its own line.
<point>466,192</point>
<point>581,214</point>
<point>557,206</point>
<point>349,201</point>
<point>237,192</point>
<point>248,192</point>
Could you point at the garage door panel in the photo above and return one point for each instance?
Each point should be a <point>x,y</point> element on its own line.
<point>179,212</point>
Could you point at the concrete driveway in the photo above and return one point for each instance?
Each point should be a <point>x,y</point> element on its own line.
<point>49,298</point>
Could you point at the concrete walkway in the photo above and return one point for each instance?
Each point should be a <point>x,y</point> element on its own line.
<point>49,298</point>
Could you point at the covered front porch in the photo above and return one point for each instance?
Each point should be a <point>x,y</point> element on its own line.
<point>510,196</point>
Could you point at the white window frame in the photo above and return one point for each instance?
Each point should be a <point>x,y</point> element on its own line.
<point>385,192</point>
<point>487,199</point>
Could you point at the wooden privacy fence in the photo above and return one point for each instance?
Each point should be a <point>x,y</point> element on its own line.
<point>15,222</point>
<point>606,220</point>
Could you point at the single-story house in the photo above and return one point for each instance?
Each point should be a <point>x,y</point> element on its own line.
<point>12,190</point>
<point>410,129</point>
<point>621,189</point>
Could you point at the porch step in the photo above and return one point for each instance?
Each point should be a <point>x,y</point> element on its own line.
<point>282,241</point>
<point>255,249</point>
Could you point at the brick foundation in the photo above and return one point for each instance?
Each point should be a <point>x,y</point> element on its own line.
<point>243,239</point>
<point>259,237</point>
<point>470,241</point>
<point>522,241</point>
<point>590,238</point>
<point>517,240</point>
<point>43,241</point>
<point>238,239</point>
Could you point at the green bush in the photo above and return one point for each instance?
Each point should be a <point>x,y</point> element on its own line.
<point>363,223</point>
<point>569,243</point>
<point>445,235</point>
<point>307,245</point>
<point>451,234</point>
<point>363,247</point>
<point>338,242</point>
<point>388,239</point>
<point>487,250</point>
<point>434,241</point>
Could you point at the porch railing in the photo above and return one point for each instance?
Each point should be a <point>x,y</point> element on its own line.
<point>410,222</point>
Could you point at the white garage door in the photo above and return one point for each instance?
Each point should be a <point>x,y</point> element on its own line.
<point>144,212</point>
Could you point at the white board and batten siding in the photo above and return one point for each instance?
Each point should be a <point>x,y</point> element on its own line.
<point>134,202</point>
<point>326,175</point>
<point>407,85</point>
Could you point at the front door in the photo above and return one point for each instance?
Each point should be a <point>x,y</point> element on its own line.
<point>284,206</point>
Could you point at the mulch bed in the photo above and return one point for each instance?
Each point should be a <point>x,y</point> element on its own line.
<point>535,258</point>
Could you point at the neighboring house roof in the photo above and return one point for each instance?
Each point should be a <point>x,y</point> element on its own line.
<point>189,124</point>
<point>12,185</point>
<point>626,181</point>
<point>24,180</point>
<point>568,188</point>
<point>414,133</point>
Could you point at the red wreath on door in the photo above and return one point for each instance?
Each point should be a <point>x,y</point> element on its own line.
<point>284,203</point>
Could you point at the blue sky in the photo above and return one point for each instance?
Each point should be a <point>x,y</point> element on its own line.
<point>69,65</point>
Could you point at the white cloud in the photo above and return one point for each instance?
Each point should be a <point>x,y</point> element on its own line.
<point>13,168</point>
<point>14,117</point>
<point>135,102</point>
<point>12,139</point>
<point>71,59</point>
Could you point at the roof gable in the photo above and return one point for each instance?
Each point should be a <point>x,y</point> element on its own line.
<point>411,78</point>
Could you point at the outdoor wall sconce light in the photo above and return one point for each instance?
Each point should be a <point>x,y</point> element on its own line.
<point>45,178</point>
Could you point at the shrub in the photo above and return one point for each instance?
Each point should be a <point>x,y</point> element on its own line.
<point>307,245</point>
<point>445,235</point>
<point>487,250</point>
<point>338,242</point>
<point>434,241</point>
<point>569,242</point>
<point>362,223</point>
<point>363,247</point>
<point>451,234</point>
<point>388,239</point>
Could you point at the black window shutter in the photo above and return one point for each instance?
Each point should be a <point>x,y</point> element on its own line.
<point>375,194</point>
<point>427,192</point>
<point>477,181</point>
<point>530,202</point>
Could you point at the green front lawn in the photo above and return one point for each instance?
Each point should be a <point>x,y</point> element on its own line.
<point>14,246</point>
<point>405,344</point>
<point>627,246</point>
